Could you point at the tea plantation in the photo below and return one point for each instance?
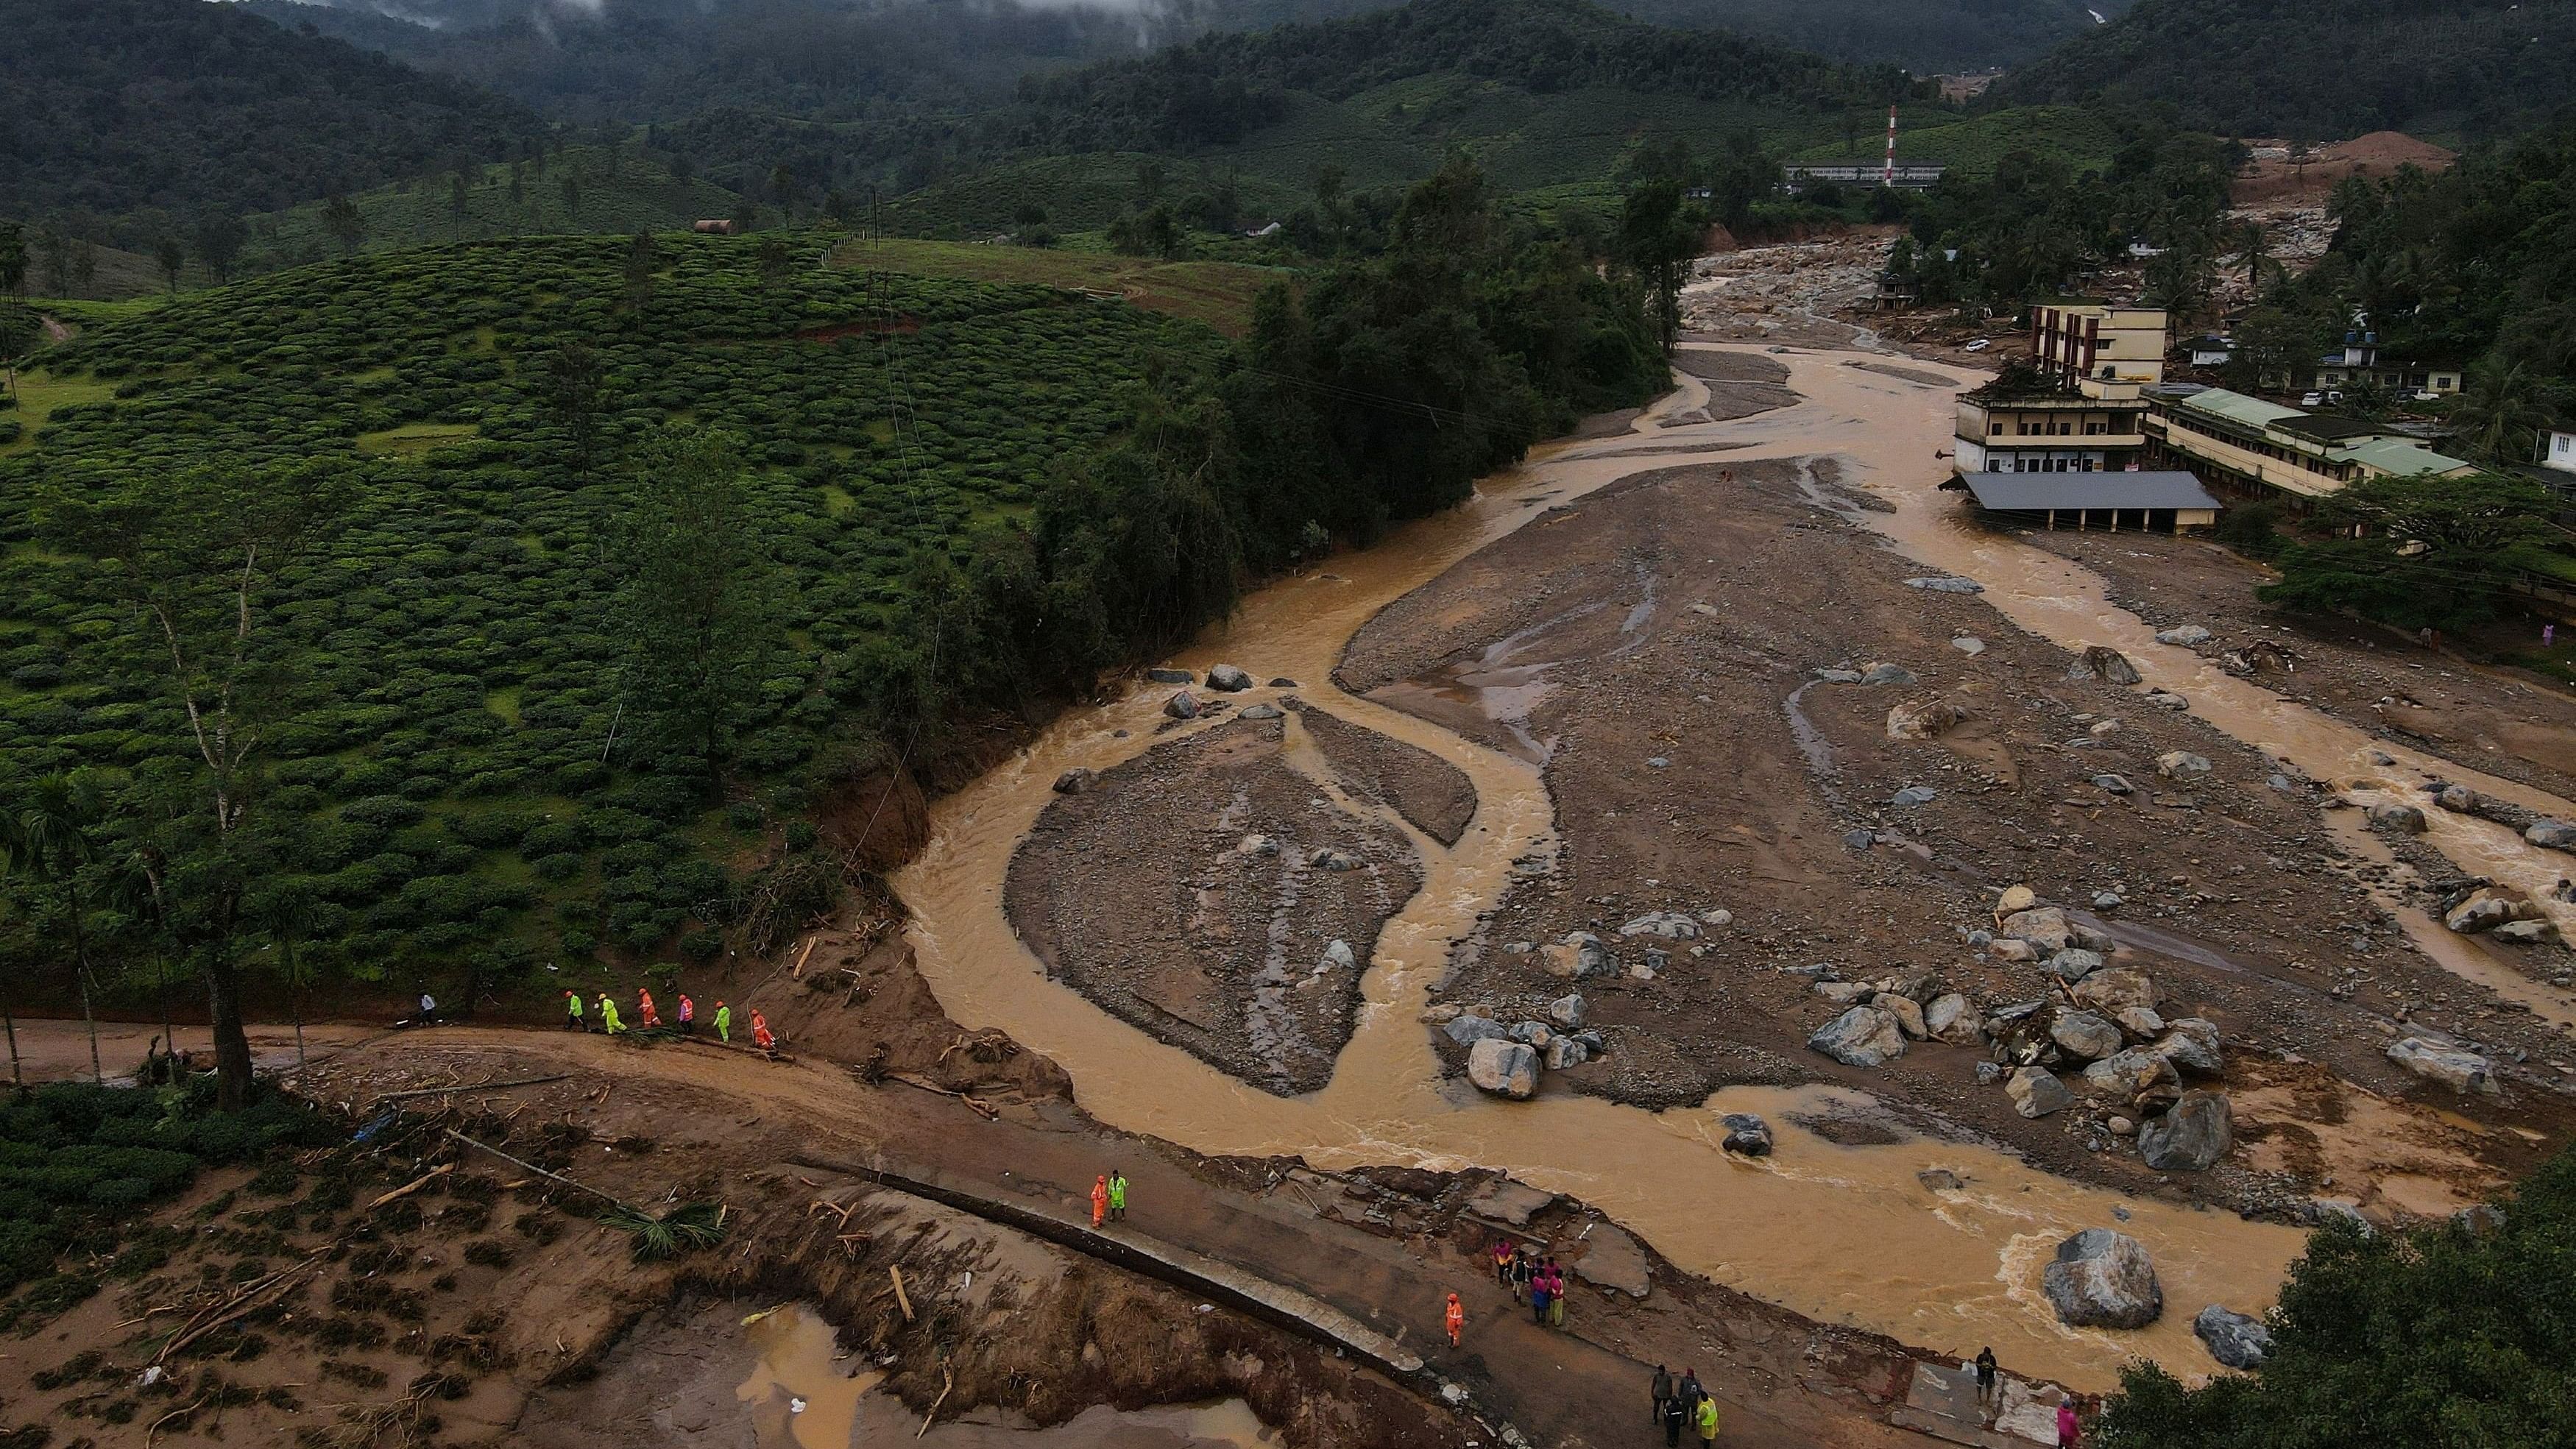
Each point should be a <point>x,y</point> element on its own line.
<point>459,750</point>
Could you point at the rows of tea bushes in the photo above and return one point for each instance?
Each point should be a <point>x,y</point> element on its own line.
<point>461,755</point>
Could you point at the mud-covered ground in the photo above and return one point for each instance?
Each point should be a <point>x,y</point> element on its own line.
<point>1740,384</point>
<point>2503,722</point>
<point>1217,896</point>
<point>1667,633</point>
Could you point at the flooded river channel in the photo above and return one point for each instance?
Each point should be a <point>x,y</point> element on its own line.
<point>1841,1233</point>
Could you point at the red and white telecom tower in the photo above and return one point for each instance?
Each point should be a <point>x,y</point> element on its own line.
<point>1887,177</point>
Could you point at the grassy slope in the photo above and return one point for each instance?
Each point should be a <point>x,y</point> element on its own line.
<point>1219,294</point>
<point>461,634</point>
<point>621,193</point>
<point>1971,147</point>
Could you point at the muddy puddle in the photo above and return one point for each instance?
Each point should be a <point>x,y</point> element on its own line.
<point>1848,1234</point>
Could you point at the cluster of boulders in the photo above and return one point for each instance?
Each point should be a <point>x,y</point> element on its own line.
<point>2505,912</point>
<point>1222,678</point>
<point>2094,1022</point>
<point>1505,1061</point>
<point>1581,955</point>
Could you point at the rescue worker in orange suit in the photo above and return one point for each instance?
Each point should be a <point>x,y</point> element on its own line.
<point>1456,1319</point>
<point>1100,1200</point>
<point>644,1008</point>
<point>760,1034</point>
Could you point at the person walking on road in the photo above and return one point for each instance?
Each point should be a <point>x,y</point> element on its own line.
<point>1503,1263</point>
<point>688,1015</point>
<point>1660,1392</point>
<point>1555,1293</point>
<point>644,1011</point>
<point>761,1036</point>
<point>724,1023</point>
<point>1455,1320</point>
<point>1538,1296</point>
<point>1985,1374</point>
<point>1522,1271</point>
<point>1117,1196</point>
<point>1704,1420</point>
<point>1674,1414</point>
<point>608,1021</point>
<point>1689,1391</point>
<point>572,1012</point>
<point>1100,1200</point>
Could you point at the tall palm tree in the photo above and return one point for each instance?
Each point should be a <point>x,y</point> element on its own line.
<point>52,845</point>
<point>2500,411</point>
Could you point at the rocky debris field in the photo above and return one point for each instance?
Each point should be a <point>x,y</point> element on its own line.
<point>1816,824</point>
<point>2500,722</point>
<point>1786,293</point>
<point>1215,897</point>
<point>1434,795</point>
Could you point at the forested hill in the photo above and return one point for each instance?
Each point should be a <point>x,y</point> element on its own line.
<point>1215,89</point>
<point>664,59</point>
<point>112,105</point>
<point>2319,69</point>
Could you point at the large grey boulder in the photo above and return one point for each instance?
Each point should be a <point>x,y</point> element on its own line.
<point>1887,674</point>
<point>1171,676</point>
<point>1567,1051</point>
<point>2191,1044</point>
<point>1469,1030</point>
<point>1578,956</point>
<point>1746,1134</point>
<point>2109,991</point>
<point>2074,963</point>
<point>2181,765</point>
<point>2404,819</point>
<point>1567,1011</point>
<point>2101,661</point>
<point>1909,1015</point>
<point>1181,706</point>
<point>2489,907</point>
<point>2103,1279</point>
<point>1951,1019</point>
<point>1664,925</point>
<point>2183,634</point>
<point>1864,1036</point>
<point>2084,1034</point>
<point>2234,1339</point>
<point>2553,834</point>
<point>2044,927</point>
<point>1229,679</point>
<point>2190,1138</point>
<point>2455,1067</point>
<point>1076,780</point>
<point>2036,1092</point>
<point>1844,993</point>
<point>1924,719</point>
<point>1503,1068</point>
<point>2124,1074</point>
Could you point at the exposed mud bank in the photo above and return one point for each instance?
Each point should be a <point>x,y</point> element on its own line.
<point>1213,893</point>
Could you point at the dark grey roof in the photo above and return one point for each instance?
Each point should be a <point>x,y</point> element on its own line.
<point>2019,492</point>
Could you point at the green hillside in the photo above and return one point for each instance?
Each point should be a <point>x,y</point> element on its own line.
<point>114,105</point>
<point>2320,71</point>
<point>1971,147</point>
<point>453,759</point>
<point>574,190</point>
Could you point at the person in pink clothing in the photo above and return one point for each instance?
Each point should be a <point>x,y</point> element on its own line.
<point>2068,1430</point>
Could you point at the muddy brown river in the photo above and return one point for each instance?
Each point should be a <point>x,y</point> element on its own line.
<point>1841,1233</point>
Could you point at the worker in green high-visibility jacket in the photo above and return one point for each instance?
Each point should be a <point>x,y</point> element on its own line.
<point>608,1019</point>
<point>724,1023</point>
<point>572,1012</point>
<point>1117,1196</point>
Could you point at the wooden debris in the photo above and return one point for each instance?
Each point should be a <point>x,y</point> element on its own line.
<point>413,1186</point>
<point>903,1299</point>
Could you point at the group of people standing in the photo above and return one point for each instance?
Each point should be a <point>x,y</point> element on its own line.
<point>1681,1404</point>
<point>648,1017</point>
<point>1534,1280</point>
